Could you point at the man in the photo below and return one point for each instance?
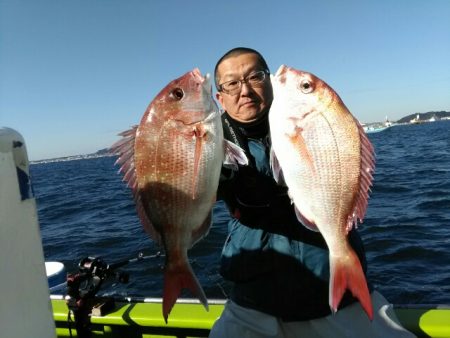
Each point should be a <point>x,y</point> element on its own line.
<point>279,269</point>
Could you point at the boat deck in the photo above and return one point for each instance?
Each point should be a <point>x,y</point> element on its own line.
<point>189,319</point>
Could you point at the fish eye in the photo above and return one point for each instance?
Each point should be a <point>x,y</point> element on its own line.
<point>306,86</point>
<point>177,94</point>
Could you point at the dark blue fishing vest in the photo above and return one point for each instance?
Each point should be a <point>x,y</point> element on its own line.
<point>277,265</point>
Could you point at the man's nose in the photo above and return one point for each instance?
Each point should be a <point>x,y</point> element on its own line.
<point>245,88</point>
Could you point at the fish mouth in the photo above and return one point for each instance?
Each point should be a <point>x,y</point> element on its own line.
<point>207,84</point>
<point>197,74</point>
<point>281,70</point>
<point>281,74</point>
<point>205,81</point>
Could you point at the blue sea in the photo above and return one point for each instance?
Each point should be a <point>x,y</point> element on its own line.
<point>85,210</point>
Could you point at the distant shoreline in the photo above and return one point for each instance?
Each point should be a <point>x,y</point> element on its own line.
<point>420,117</point>
<point>71,158</point>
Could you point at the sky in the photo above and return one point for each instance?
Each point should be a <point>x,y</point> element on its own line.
<point>73,74</point>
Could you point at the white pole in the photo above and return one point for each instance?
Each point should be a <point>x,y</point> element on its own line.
<point>25,307</point>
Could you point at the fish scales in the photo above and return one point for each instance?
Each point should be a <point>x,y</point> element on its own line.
<point>326,160</point>
<point>173,166</point>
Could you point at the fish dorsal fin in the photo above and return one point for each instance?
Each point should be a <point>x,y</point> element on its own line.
<point>367,169</point>
<point>124,149</point>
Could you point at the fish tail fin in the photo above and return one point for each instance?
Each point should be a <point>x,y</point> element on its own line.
<point>347,273</point>
<point>174,281</point>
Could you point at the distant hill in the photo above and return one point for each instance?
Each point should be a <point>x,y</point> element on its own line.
<point>104,151</point>
<point>100,153</point>
<point>425,116</point>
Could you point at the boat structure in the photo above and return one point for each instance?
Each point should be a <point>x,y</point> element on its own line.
<point>30,307</point>
<point>369,129</point>
<point>416,120</point>
<point>377,127</point>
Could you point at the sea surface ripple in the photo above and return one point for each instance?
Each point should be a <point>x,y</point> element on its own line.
<point>85,210</point>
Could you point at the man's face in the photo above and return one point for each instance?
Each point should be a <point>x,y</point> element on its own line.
<point>251,102</point>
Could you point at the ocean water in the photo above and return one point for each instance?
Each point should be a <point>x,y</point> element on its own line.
<point>85,210</point>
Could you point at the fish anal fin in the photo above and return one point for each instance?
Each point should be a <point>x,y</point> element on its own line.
<point>234,155</point>
<point>202,231</point>
<point>177,278</point>
<point>346,273</point>
<point>305,221</point>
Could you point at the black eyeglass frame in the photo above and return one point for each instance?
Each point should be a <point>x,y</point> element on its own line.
<point>246,79</point>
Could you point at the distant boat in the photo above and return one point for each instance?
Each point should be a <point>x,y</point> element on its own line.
<point>375,128</point>
<point>416,120</point>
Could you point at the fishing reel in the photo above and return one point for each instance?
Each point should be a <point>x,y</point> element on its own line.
<point>92,272</point>
<point>83,286</point>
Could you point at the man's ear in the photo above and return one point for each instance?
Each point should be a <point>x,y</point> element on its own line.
<point>220,99</point>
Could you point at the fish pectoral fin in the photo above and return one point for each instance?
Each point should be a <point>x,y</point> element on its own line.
<point>234,155</point>
<point>305,221</point>
<point>199,143</point>
<point>176,279</point>
<point>276,168</point>
<point>301,148</point>
<point>145,220</point>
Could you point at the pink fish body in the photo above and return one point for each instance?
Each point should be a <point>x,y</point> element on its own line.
<point>172,162</point>
<point>324,157</point>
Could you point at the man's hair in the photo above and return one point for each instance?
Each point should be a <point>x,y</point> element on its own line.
<point>236,52</point>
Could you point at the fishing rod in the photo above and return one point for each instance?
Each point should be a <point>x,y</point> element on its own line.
<point>83,286</point>
<point>96,265</point>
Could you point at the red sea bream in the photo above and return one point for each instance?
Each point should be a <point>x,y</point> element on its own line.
<point>172,162</point>
<point>320,151</point>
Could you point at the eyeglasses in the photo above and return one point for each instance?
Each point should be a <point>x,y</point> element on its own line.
<point>255,80</point>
